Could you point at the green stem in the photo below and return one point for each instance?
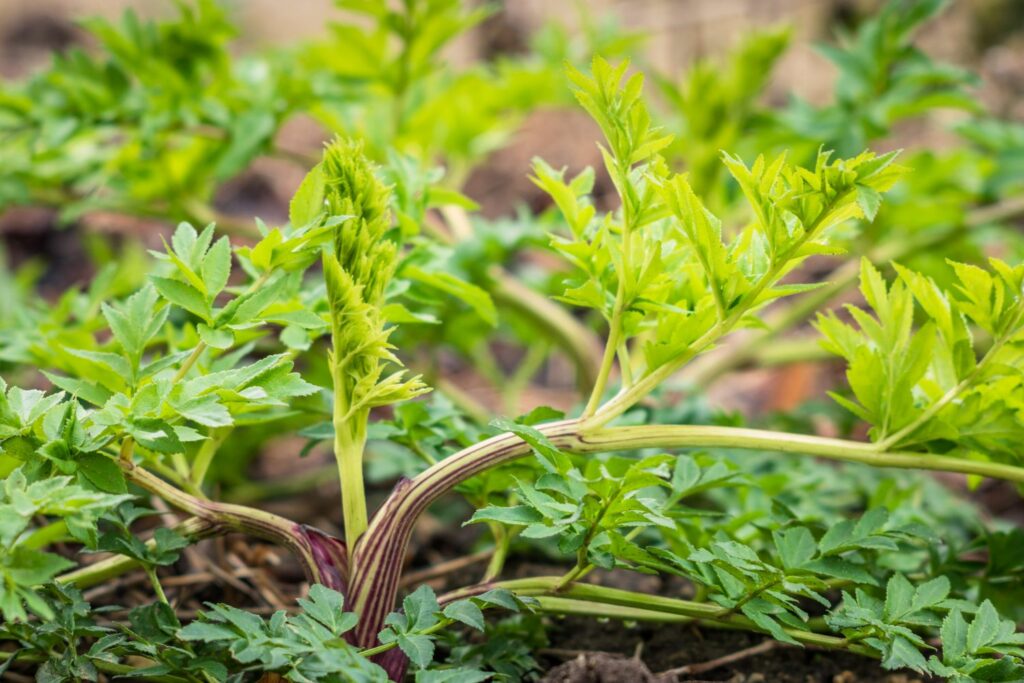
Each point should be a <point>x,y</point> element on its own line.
<point>155,581</point>
<point>702,436</point>
<point>640,605</point>
<point>204,457</point>
<point>629,396</point>
<point>226,518</point>
<point>193,530</point>
<point>581,571</point>
<point>377,560</point>
<point>615,332</point>
<point>502,542</point>
<point>556,604</point>
<point>610,351</point>
<point>752,595</point>
<point>349,443</point>
<point>104,666</point>
<point>189,362</point>
<point>439,626</point>
<point>582,565</point>
<point>54,532</point>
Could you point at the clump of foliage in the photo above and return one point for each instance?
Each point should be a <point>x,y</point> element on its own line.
<point>306,327</point>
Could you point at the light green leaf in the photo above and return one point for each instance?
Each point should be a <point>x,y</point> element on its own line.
<point>183,295</point>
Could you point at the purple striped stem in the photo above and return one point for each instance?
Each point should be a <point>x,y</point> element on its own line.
<point>370,578</point>
<point>380,553</point>
<point>323,557</point>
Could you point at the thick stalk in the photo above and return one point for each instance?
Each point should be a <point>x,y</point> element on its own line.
<point>379,555</point>
<point>322,557</point>
<point>349,443</point>
<point>701,436</point>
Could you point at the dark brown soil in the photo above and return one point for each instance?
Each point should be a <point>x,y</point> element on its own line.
<point>590,651</point>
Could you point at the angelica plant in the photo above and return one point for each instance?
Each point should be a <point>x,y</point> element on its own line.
<point>144,401</point>
<point>953,203</point>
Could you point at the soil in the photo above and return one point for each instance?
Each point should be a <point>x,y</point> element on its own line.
<point>590,651</point>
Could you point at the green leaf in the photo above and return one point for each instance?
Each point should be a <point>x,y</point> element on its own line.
<point>326,606</point>
<point>156,435</point>
<point>954,636</point>
<point>110,362</point>
<point>869,200</point>
<point>93,393</point>
<point>500,597</point>
<point>216,267</point>
<point>421,608</point>
<point>460,675</point>
<point>476,298</point>
<point>135,321</point>
<point>904,655</point>
<point>899,597</point>
<point>839,568</point>
<point>467,612</point>
<point>206,632</point>
<point>418,648</point>
<point>166,544</point>
<point>217,338</point>
<point>931,593</point>
<point>245,308</point>
<point>516,515</point>
<point>207,411</point>
<point>183,295</point>
<point>984,628</point>
<point>102,472</point>
<point>754,611</point>
<point>550,456</point>
<point>796,547</point>
<point>33,567</point>
<point>308,202</point>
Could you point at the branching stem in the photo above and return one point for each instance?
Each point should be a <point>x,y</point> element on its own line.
<point>622,604</point>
